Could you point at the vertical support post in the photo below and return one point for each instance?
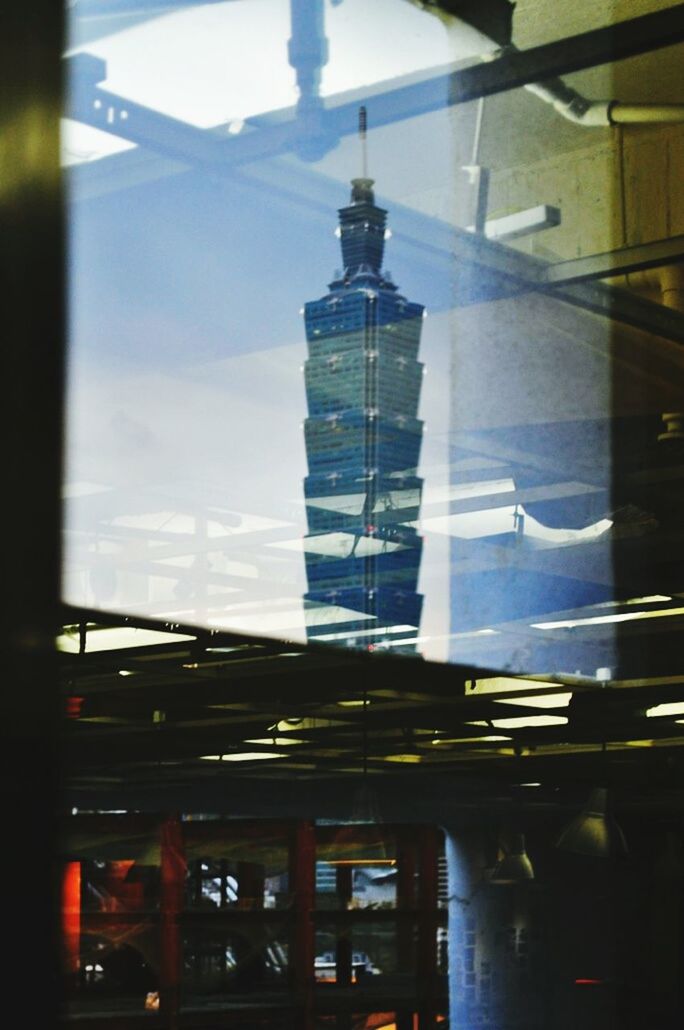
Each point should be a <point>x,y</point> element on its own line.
<point>406,903</point>
<point>173,872</point>
<point>249,945</point>
<point>224,904</point>
<point>302,887</point>
<point>343,946</point>
<point>250,876</point>
<point>343,943</point>
<point>71,918</point>
<point>32,274</point>
<point>427,926</point>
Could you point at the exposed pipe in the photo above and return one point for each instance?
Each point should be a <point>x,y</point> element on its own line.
<point>638,113</point>
<point>577,108</point>
<point>571,104</point>
<point>469,40</point>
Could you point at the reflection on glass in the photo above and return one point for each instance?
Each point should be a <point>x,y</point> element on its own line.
<point>355,885</point>
<point>363,443</point>
<point>232,960</point>
<point>512,511</point>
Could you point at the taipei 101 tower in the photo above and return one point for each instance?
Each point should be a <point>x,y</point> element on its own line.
<point>363,441</point>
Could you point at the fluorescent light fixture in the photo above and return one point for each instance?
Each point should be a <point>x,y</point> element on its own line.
<point>243,756</point>
<point>409,759</point>
<point>275,741</point>
<point>402,642</point>
<point>306,723</point>
<point>474,633</point>
<point>434,637</point>
<point>599,620</point>
<point>529,784</point>
<point>229,650</point>
<point>365,632</point>
<point>520,721</point>
<point>537,700</point>
<point>651,599</point>
<point>126,672</point>
<point>491,737</point>
<point>667,708</point>
<point>114,638</point>
<point>354,703</point>
<point>506,684</point>
<point>522,223</point>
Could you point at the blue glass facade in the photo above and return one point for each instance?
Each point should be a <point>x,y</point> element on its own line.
<point>363,439</point>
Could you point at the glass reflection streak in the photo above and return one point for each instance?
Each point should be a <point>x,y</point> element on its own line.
<point>363,439</point>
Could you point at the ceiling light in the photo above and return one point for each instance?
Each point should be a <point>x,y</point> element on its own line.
<point>667,708</point>
<point>113,638</point>
<point>561,700</point>
<point>365,632</point>
<point>505,684</point>
<point>651,599</point>
<point>594,832</point>
<point>402,642</point>
<point>598,620</point>
<point>305,723</point>
<point>276,741</point>
<point>515,866</point>
<point>490,737</point>
<point>251,756</point>
<point>519,721</point>
<point>354,703</point>
<point>242,756</point>
<point>410,759</point>
<point>228,650</point>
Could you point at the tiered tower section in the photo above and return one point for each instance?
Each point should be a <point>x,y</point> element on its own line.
<point>363,440</point>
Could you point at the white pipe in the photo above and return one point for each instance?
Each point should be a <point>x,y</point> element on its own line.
<point>634,114</point>
<point>573,106</point>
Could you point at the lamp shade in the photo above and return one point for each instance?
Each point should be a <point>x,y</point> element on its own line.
<point>514,867</point>
<point>594,832</point>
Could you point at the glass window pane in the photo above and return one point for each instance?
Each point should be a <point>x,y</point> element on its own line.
<point>266,432</point>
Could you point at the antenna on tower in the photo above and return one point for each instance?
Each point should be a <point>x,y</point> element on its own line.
<point>363,130</point>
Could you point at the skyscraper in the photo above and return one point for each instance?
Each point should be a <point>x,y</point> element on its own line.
<point>363,438</point>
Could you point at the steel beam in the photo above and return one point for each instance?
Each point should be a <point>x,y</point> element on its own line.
<point>390,103</point>
<point>616,262</point>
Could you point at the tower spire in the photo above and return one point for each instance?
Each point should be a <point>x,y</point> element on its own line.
<point>363,128</point>
<point>362,187</point>
<point>362,223</point>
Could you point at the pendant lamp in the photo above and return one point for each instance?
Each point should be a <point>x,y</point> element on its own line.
<point>594,831</point>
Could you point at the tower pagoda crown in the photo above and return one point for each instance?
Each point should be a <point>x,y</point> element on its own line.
<point>362,230</point>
